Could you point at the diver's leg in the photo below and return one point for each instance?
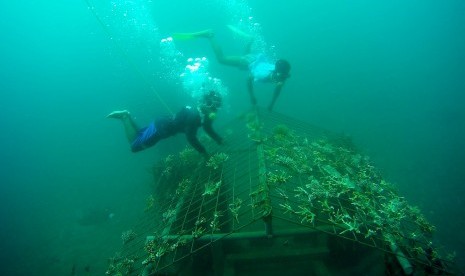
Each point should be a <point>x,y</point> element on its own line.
<point>185,36</point>
<point>130,127</point>
<point>248,47</point>
<point>235,61</point>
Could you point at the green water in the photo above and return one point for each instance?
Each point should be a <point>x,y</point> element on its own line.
<point>389,74</point>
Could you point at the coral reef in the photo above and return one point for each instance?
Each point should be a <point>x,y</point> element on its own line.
<point>306,181</point>
<point>128,236</point>
<point>217,160</point>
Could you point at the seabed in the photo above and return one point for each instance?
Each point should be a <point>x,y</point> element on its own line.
<point>281,198</point>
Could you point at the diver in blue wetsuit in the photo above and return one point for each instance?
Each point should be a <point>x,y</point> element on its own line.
<point>187,121</point>
<point>259,67</point>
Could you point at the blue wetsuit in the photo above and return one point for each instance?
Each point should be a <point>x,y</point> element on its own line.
<point>187,120</point>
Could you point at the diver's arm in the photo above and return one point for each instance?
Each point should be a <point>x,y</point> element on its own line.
<point>191,135</point>
<point>207,126</point>
<point>250,81</point>
<point>277,91</point>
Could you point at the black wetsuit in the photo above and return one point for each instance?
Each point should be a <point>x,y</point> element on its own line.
<point>187,120</point>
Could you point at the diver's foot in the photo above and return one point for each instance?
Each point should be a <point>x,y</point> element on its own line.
<point>205,34</point>
<point>245,35</point>
<point>120,114</point>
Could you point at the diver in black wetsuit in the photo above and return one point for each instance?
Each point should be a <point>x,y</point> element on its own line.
<point>187,120</point>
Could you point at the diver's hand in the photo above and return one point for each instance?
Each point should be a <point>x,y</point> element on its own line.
<point>205,156</point>
<point>223,143</point>
<point>253,100</point>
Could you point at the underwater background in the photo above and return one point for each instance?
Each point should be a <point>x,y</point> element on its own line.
<point>389,74</point>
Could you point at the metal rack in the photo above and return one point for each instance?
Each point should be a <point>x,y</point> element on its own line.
<point>281,197</point>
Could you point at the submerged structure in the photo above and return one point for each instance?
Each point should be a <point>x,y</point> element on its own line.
<point>281,198</point>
